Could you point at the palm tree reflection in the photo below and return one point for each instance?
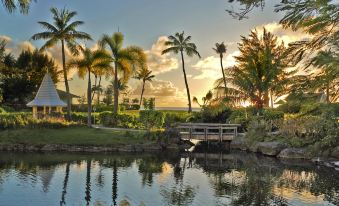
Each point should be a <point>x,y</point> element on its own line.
<point>64,188</point>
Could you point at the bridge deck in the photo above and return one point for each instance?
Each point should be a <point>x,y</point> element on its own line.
<point>208,131</point>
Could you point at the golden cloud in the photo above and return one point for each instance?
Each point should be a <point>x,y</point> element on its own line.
<point>160,63</point>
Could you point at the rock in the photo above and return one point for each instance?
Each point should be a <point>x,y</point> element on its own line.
<point>335,152</point>
<point>239,143</point>
<point>253,147</point>
<point>270,148</point>
<point>294,153</point>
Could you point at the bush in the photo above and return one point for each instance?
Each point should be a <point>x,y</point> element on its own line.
<point>110,119</point>
<point>25,120</point>
<point>290,107</point>
<point>81,117</point>
<point>213,114</point>
<point>2,110</point>
<point>271,114</point>
<point>171,118</point>
<point>152,119</point>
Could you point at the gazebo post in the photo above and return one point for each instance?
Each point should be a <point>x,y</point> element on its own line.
<point>35,111</point>
<point>49,110</point>
<point>44,110</point>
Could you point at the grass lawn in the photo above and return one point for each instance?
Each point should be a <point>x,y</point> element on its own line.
<point>71,136</point>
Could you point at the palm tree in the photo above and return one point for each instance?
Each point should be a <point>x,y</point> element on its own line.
<point>205,100</point>
<point>126,60</point>
<point>12,5</point>
<point>63,31</point>
<point>221,50</point>
<point>90,61</point>
<point>328,77</point>
<point>180,43</point>
<point>145,75</point>
<point>260,70</point>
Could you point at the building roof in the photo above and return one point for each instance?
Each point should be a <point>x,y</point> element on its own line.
<point>63,94</point>
<point>47,95</point>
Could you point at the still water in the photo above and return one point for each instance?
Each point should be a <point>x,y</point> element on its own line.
<point>162,179</point>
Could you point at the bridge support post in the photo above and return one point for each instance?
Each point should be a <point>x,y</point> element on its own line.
<point>226,145</point>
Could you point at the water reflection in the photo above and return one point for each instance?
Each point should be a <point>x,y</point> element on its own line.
<point>197,178</point>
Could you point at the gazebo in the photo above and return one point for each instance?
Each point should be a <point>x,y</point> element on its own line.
<point>46,98</point>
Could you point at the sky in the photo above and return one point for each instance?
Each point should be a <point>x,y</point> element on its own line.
<point>147,23</point>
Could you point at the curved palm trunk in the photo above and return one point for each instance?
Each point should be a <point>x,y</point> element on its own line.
<point>116,89</point>
<point>142,92</point>
<point>89,92</point>
<point>187,88</point>
<point>69,109</point>
<point>223,74</point>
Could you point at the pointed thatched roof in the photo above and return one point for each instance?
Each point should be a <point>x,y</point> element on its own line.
<point>47,95</point>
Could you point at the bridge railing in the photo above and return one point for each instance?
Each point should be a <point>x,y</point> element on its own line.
<point>208,131</point>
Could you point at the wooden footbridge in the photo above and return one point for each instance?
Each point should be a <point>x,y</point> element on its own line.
<point>208,131</point>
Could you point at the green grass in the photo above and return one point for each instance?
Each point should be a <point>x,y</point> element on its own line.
<point>71,136</point>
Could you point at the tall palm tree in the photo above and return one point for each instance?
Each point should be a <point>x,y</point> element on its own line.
<point>181,44</point>
<point>90,61</point>
<point>126,60</point>
<point>63,31</point>
<point>221,50</point>
<point>145,75</point>
<point>12,5</point>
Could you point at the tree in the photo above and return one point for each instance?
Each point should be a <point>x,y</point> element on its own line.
<point>90,61</point>
<point>221,50</point>
<point>328,77</point>
<point>181,44</point>
<point>260,69</point>
<point>145,75</point>
<point>205,100</point>
<point>108,92</point>
<point>23,76</point>
<point>12,5</point>
<point>63,31</point>
<point>126,60</point>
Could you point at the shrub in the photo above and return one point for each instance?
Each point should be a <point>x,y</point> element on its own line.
<point>118,120</point>
<point>290,107</point>
<point>171,118</point>
<point>25,120</point>
<point>213,114</point>
<point>152,119</point>
<point>271,114</point>
<point>81,117</point>
<point>2,110</point>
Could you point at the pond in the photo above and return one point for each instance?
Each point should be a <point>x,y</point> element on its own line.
<point>162,179</point>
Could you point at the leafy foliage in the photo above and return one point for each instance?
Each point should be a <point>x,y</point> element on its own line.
<point>152,119</point>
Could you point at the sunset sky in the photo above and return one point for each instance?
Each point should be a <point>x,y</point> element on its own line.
<point>146,23</point>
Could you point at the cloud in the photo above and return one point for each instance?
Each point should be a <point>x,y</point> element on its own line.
<point>210,68</point>
<point>16,48</point>
<point>286,35</point>
<point>165,93</point>
<point>160,63</point>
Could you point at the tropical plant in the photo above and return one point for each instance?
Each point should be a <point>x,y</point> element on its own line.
<point>126,60</point>
<point>181,44</point>
<point>145,75</point>
<point>108,95</point>
<point>221,49</point>
<point>260,70</point>
<point>63,31</point>
<point>328,77</point>
<point>205,100</point>
<point>90,61</point>
<point>12,5</point>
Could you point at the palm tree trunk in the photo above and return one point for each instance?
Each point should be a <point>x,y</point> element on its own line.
<point>95,86</point>
<point>187,88</point>
<point>115,183</point>
<point>223,74</point>
<point>272,101</point>
<point>98,90</point>
<point>116,89</point>
<point>66,80</point>
<point>88,183</point>
<point>142,92</point>
<point>89,93</point>
<point>64,188</point>
<point>328,92</point>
